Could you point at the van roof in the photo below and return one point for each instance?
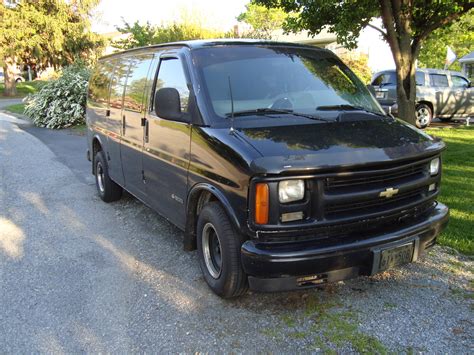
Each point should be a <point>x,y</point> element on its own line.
<point>196,44</point>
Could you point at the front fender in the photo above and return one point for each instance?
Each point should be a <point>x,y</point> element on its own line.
<point>191,208</point>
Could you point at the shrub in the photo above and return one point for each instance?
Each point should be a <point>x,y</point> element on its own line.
<point>359,64</point>
<point>61,103</point>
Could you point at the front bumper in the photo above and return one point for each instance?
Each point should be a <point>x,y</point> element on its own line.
<point>286,266</point>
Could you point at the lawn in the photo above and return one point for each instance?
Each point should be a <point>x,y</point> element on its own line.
<point>25,88</point>
<point>16,108</point>
<point>457,188</point>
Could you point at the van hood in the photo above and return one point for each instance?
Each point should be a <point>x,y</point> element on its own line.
<point>315,146</point>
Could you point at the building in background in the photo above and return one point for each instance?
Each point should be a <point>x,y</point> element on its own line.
<point>467,65</point>
<point>369,44</point>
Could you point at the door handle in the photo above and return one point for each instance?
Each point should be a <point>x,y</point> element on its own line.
<point>107,112</point>
<point>143,121</point>
<point>123,124</point>
<point>146,130</point>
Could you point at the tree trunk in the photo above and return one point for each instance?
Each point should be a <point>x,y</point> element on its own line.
<point>9,75</point>
<point>406,90</point>
<point>398,27</point>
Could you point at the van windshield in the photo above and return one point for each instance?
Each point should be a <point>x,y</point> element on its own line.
<point>281,78</point>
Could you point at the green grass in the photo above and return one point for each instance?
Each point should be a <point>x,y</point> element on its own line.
<point>25,88</point>
<point>457,187</point>
<point>16,108</point>
<point>333,326</point>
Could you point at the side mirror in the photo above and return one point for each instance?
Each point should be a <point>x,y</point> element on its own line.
<point>167,104</point>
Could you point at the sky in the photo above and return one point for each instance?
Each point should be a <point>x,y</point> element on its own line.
<point>218,14</point>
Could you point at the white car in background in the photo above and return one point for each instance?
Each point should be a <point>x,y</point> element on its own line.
<point>18,78</point>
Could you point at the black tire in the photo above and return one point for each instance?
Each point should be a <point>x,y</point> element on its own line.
<point>108,190</point>
<point>424,115</point>
<point>18,80</point>
<point>229,280</point>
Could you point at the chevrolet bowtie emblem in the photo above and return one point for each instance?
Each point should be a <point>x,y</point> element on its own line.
<point>388,192</point>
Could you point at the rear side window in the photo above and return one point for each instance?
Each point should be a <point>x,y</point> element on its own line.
<point>171,75</point>
<point>99,85</point>
<point>385,79</point>
<point>420,78</point>
<point>118,83</point>
<point>136,83</point>
<point>439,80</point>
<point>459,81</point>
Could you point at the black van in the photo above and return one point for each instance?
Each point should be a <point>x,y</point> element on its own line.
<point>281,168</point>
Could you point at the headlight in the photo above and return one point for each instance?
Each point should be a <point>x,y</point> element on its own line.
<point>434,166</point>
<point>291,190</point>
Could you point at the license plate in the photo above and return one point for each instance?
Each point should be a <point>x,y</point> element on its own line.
<point>390,258</point>
<point>379,94</point>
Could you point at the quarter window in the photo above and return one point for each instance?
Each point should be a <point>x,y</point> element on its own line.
<point>171,75</point>
<point>459,81</point>
<point>99,85</point>
<point>439,80</point>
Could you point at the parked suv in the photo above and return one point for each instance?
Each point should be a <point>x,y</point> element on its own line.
<point>439,93</point>
<point>277,163</point>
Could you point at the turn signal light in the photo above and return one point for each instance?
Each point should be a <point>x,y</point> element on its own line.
<point>261,203</point>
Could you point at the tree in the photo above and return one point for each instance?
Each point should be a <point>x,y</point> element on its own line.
<point>459,37</point>
<point>406,26</point>
<point>263,21</point>
<point>137,35</point>
<point>43,33</point>
<point>359,65</point>
<point>144,35</point>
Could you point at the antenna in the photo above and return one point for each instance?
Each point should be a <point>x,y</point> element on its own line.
<point>231,107</point>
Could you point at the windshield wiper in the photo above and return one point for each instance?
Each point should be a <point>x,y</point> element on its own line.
<point>269,111</point>
<point>259,111</point>
<point>346,107</point>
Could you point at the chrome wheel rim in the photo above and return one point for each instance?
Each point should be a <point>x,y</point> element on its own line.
<point>423,116</point>
<point>100,177</point>
<point>211,248</point>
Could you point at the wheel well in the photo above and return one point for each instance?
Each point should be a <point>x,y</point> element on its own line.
<point>429,104</point>
<point>197,201</point>
<point>96,147</point>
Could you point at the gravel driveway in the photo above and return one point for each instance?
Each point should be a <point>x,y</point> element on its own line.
<point>78,275</point>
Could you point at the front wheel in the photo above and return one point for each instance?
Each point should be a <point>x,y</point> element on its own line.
<point>424,115</point>
<point>219,252</point>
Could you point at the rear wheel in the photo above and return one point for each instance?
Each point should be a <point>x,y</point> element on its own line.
<point>424,115</point>
<point>108,190</point>
<point>219,252</point>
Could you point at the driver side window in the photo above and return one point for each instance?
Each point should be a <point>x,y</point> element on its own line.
<point>171,75</point>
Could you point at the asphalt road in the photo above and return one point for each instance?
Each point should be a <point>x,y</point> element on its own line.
<point>8,102</point>
<point>79,275</point>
